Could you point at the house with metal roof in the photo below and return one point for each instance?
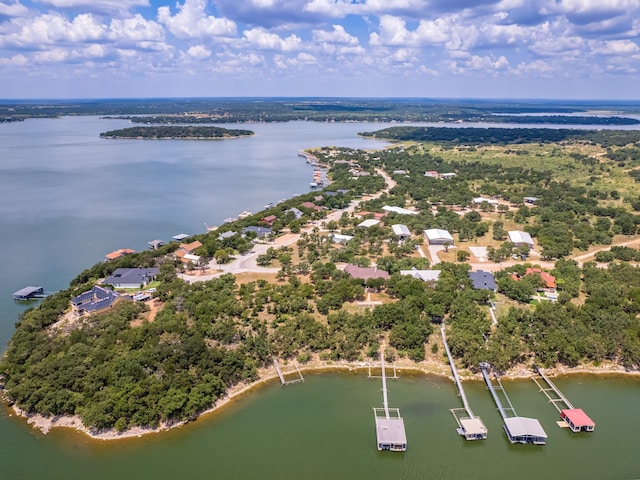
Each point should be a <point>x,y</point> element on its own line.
<point>370,222</point>
<point>399,210</point>
<point>95,300</point>
<point>520,238</point>
<point>259,231</point>
<point>482,280</point>
<point>401,231</point>
<point>424,275</point>
<point>131,277</point>
<point>437,236</point>
<point>340,238</point>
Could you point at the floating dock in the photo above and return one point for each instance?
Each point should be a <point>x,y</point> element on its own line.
<point>470,426</point>
<point>575,418</point>
<point>518,429</point>
<point>390,433</point>
<point>29,293</point>
<point>283,380</point>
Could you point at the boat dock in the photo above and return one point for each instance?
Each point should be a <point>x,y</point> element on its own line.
<point>283,380</point>
<point>574,418</point>
<point>470,426</point>
<point>518,429</point>
<point>390,433</point>
<point>30,293</point>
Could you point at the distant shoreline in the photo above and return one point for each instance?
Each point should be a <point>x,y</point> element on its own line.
<point>268,375</point>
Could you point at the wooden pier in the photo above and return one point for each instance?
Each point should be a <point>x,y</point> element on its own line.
<point>283,380</point>
<point>470,426</point>
<point>390,432</point>
<point>574,418</point>
<point>518,429</point>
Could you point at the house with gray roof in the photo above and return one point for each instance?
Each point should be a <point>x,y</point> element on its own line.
<point>131,277</point>
<point>94,300</point>
<point>482,280</point>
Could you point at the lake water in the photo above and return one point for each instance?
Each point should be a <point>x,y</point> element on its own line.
<point>68,197</point>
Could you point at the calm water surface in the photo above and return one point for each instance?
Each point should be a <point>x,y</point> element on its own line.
<point>68,197</point>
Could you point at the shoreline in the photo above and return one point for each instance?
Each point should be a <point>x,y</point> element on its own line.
<point>267,375</point>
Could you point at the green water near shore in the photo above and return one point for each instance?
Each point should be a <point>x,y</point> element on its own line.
<point>324,428</point>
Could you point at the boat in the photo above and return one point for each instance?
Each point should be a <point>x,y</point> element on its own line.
<point>245,214</point>
<point>313,184</point>
<point>268,206</point>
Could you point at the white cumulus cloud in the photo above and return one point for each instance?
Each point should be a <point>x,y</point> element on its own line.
<point>198,52</point>
<point>264,40</point>
<point>191,21</point>
<point>338,36</point>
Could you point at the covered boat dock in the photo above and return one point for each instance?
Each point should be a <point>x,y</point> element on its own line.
<point>470,426</point>
<point>518,429</point>
<point>29,293</point>
<point>390,433</point>
<point>575,418</point>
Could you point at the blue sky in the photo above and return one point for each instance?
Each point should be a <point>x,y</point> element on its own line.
<point>586,49</point>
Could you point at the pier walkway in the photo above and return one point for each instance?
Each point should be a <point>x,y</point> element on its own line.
<point>518,429</point>
<point>574,418</point>
<point>390,432</point>
<point>470,426</point>
<point>284,381</point>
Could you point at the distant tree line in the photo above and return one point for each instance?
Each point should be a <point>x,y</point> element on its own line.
<point>173,131</point>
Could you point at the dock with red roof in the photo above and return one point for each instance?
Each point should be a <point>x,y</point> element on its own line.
<point>575,418</point>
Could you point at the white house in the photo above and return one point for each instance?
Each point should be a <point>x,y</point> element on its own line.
<point>400,210</point>
<point>519,238</point>
<point>401,231</point>
<point>437,236</point>
<point>424,275</point>
<point>339,238</point>
<point>369,223</point>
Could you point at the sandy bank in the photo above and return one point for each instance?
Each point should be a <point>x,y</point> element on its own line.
<point>267,375</point>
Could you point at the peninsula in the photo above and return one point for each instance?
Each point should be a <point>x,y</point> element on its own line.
<point>526,251</point>
<point>176,132</point>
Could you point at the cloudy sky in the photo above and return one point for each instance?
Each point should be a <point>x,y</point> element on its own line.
<point>405,48</point>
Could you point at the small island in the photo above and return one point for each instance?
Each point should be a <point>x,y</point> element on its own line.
<point>175,132</point>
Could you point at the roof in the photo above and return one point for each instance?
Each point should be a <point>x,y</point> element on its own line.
<point>400,210</point>
<point>180,236</point>
<point>431,173</point>
<point>269,219</point>
<point>473,426</point>
<point>447,175</point>
<point>369,223</point>
<point>26,291</point>
<point>483,280</point>
<point>310,205</point>
<point>578,417</point>
<point>119,253</point>
<point>524,427</point>
<point>296,212</point>
<point>390,431</point>
<point>547,278</point>
<point>95,299</point>
<point>479,200</point>
<point>438,234</point>
<point>261,231</point>
<point>517,236</point>
<point>401,230</point>
<point>424,275</point>
<point>190,247</point>
<point>131,276</point>
<point>227,234</point>
<point>191,258</point>
<point>338,237</point>
<point>365,273</point>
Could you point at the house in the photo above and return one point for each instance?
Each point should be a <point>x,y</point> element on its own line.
<point>131,277</point>
<point>519,238</point>
<point>95,300</point>
<point>121,252</point>
<point>424,275</point>
<point>298,214</point>
<point>311,206</point>
<point>369,223</point>
<point>431,173</point>
<point>259,231</point>
<point>446,176</point>
<point>399,172</point>
<point>481,200</point>
<point>401,231</point>
<point>530,200</point>
<point>548,279</point>
<point>227,234</point>
<point>400,210</point>
<point>339,238</point>
<point>437,236</point>
<point>190,247</point>
<point>482,280</point>
<point>365,273</point>
<point>269,219</point>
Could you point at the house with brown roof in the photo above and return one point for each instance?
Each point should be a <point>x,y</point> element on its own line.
<point>311,206</point>
<point>121,252</point>
<point>190,247</point>
<point>548,279</point>
<point>365,273</point>
<point>269,219</point>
